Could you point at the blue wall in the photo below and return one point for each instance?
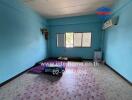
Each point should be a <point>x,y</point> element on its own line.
<point>118,40</point>
<point>21,42</point>
<point>74,24</point>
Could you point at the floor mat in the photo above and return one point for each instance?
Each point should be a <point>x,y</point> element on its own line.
<point>39,67</point>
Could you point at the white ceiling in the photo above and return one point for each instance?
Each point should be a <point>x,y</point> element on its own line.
<point>67,8</point>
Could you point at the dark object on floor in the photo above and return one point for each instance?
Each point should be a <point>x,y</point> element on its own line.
<point>40,67</point>
<point>54,69</point>
<point>37,69</point>
<point>57,59</point>
<point>75,59</point>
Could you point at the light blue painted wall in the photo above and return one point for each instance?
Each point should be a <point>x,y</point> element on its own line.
<point>118,40</point>
<point>74,24</point>
<point>21,42</point>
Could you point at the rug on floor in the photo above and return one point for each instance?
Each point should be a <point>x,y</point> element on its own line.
<point>39,67</point>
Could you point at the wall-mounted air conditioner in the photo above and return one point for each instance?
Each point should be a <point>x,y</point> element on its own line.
<point>110,23</point>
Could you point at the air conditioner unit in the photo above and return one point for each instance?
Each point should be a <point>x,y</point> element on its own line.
<point>110,23</point>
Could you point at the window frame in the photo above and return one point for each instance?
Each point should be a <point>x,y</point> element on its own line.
<point>73,40</point>
<point>81,40</point>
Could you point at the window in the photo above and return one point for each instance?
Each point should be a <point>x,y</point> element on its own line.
<point>77,39</point>
<point>86,40</point>
<point>70,40</point>
<point>60,40</point>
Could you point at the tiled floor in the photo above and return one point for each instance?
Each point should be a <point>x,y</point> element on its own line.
<point>80,81</point>
<point>114,86</point>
